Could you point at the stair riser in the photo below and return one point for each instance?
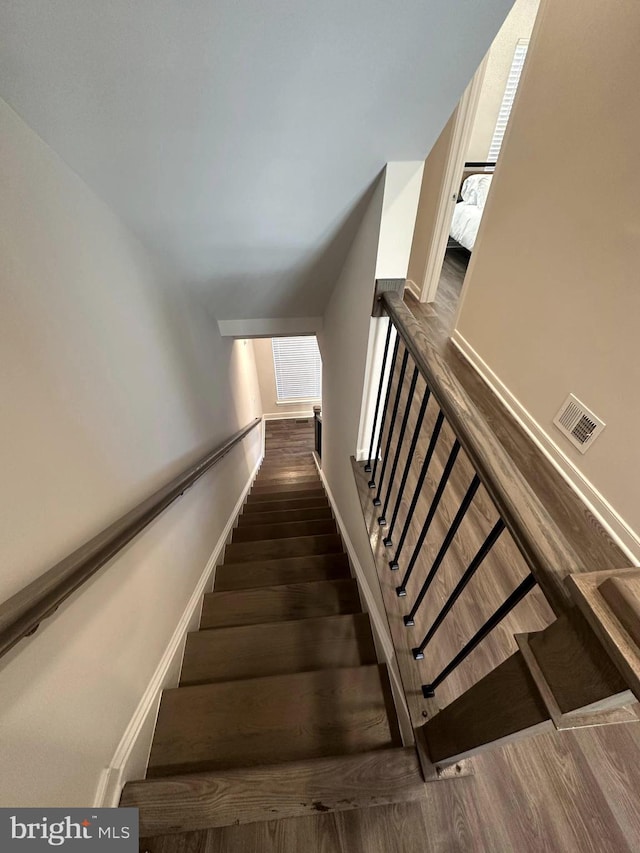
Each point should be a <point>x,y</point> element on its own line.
<point>318,499</point>
<point>312,483</point>
<point>322,567</point>
<point>286,495</point>
<point>287,476</point>
<point>307,600</point>
<point>285,515</point>
<point>242,552</point>
<point>284,530</point>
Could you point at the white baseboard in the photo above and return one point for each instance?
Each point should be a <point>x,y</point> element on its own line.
<point>623,535</point>
<point>413,289</point>
<point>381,635</point>
<point>135,744</point>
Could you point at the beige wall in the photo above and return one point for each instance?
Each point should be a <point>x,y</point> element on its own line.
<point>112,380</point>
<point>429,204</point>
<point>552,302</point>
<point>518,25</point>
<point>343,344</point>
<point>267,380</point>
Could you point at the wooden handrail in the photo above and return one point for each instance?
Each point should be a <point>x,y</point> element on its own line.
<point>542,544</point>
<point>21,614</point>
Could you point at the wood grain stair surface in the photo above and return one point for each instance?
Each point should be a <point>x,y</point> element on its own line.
<point>278,515</point>
<point>316,567</point>
<point>278,603</point>
<point>309,483</point>
<point>283,495</point>
<point>276,648</point>
<point>318,499</point>
<point>199,801</point>
<point>272,720</point>
<point>294,546</point>
<point>285,478</point>
<point>284,529</point>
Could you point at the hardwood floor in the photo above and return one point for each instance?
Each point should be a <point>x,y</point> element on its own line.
<point>454,269</point>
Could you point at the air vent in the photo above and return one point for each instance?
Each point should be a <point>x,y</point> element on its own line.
<point>578,423</point>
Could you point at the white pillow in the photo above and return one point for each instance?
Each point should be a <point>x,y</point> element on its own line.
<point>475,188</point>
<point>483,190</point>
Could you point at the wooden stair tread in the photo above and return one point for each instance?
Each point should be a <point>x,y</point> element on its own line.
<point>295,546</point>
<point>289,494</point>
<point>285,477</point>
<point>284,529</point>
<point>275,648</point>
<point>316,500</point>
<point>311,513</point>
<point>299,485</point>
<point>206,800</point>
<point>314,567</point>
<point>271,720</point>
<point>284,602</point>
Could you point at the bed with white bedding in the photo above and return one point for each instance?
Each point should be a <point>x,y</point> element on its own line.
<point>468,212</point>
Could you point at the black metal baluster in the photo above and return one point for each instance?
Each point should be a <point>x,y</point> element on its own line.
<point>393,564</point>
<point>382,520</point>
<point>394,415</point>
<point>412,449</point>
<point>470,571</point>
<point>367,467</point>
<point>505,608</point>
<point>409,619</point>
<point>448,468</point>
<point>372,481</point>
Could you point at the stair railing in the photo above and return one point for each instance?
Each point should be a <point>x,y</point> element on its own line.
<point>21,615</point>
<point>561,676</point>
<point>317,430</point>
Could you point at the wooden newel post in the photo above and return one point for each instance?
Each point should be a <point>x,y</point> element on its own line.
<point>566,676</point>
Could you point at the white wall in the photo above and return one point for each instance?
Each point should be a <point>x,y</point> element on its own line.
<point>351,340</point>
<point>343,343</point>
<point>271,409</point>
<point>518,25</point>
<point>350,345</point>
<point>112,381</point>
<point>551,301</point>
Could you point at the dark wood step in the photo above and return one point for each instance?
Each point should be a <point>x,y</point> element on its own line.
<point>285,477</point>
<point>284,529</point>
<point>272,720</point>
<point>276,516</point>
<point>287,494</point>
<point>206,800</point>
<point>294,465</point>
<point>316,500</point>
<point>300,485</point>
<point>267,549</point>
<point>276,648</point>
<point>317,567</point>
<point>278,603</point>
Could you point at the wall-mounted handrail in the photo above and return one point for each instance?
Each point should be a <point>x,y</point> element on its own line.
<point>21,614</point>
<point>542,544</point>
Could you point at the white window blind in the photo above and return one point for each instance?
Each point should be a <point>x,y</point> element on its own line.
<point>298,368</point>
<point>507,99</point>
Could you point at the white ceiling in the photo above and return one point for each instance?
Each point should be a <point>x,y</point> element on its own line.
<point>236,136</point>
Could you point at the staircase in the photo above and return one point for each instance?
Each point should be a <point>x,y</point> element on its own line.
<point>282,708</point>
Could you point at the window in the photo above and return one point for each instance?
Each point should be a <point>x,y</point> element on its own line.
<point>298,368</point>
<point>507,99</point>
